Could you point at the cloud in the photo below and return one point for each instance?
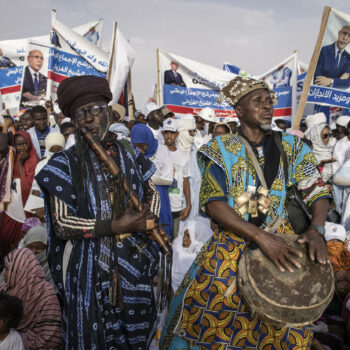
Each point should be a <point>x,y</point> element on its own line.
<point>254,35</point>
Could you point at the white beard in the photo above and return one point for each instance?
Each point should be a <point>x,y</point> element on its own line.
<point>266,127</point>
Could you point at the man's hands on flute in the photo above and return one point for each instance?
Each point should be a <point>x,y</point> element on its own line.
<point>133,221</point>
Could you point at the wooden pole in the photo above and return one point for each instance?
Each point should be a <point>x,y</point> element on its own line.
<point>130,98</point>
<point>111,56</point>
<point>158,85</point>
<point>294,85</point>
<point>311,69</point>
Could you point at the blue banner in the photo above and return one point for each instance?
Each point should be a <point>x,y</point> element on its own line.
<point>328,96</point>
<point>63,64</point>
<point>11,77</point>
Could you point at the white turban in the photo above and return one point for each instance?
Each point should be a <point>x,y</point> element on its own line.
<point>35,234</point>
<point>343,121</point>
<point>185,140</point>
<point>54,139</point>
<point>317,118</point>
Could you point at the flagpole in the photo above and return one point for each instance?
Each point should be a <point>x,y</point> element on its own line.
<point>52,46</point>
<point>311,69</point>
<point>130,98</point>
<point>158,85</point>
<point>111,57</point>
<point>294,85</point>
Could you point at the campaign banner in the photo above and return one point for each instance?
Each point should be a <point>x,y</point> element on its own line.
<point>10,86</point>
<point>187,86</point>
<point>284,93</point>
<point>15,57</point>
<point>283,80</point>
<point>331,81</point>
<point>70,55</point>
<point>183,100</point>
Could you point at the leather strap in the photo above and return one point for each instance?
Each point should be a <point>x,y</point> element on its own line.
<point>255,161</point>
<point>276,220</point>
<point>278,143</point>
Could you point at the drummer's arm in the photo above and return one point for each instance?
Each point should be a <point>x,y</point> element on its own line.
<point>231,221</point>
<point>316,243</point>
<point>282,255</point>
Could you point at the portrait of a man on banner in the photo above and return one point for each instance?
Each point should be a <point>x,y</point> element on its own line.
<point>333,66</point>
<point>35,75</point>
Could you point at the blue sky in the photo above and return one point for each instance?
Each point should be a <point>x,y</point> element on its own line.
<point>254,35</point>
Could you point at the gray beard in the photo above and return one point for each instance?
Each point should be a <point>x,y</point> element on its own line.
<point>266,127</point>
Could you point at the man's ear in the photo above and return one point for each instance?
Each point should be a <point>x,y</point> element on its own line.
<point>238,111</point>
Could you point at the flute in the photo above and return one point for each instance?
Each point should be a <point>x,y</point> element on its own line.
<point>157,233</point>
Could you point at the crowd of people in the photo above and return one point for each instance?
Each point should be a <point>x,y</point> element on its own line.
<point>79,268</point>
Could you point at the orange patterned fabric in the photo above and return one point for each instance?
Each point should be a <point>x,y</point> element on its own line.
<point>213,321</point>
<point>339,255</point>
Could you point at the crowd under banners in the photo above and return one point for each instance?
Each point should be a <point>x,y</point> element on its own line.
<point>15,59</point>
<point>122,58</point>
<point>283,80</point>
<point>187,86</point>
<point>328,79</point>
<point>72,55</point>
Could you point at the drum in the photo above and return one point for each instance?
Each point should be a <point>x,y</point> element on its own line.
<point>285,299</point>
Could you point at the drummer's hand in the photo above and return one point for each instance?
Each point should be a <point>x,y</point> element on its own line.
<point>279,252</point>
<point>317,246</point>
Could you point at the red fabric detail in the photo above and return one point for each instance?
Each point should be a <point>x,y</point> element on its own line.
<point>28,170</point>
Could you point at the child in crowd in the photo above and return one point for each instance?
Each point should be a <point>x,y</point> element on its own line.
<point>186,246</point>
<point>337,247</point>
<point>10,316</point>
<point>180,162</point>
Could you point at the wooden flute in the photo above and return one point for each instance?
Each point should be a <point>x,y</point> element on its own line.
<point>157,232</point>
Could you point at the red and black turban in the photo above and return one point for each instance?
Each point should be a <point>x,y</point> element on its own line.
<point>75,92</point>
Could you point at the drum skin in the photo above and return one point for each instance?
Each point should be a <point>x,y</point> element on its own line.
<point>285,299</point>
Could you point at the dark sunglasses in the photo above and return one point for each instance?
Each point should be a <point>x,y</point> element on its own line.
<point>94,110</point>
<point>325,136</point>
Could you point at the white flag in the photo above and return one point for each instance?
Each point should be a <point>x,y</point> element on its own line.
<point>121,60</point>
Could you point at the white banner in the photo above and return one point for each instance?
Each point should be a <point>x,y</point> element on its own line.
<point>122,59</point>
<point>187,86</point>
<point>72,55</point>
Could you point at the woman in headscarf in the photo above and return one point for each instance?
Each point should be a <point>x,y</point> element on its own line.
<point>29,223</point>
<point>120,130</point>
<point>142,137</point>
<point>54,142</point>
<point>36,241</point>
<point>22,179</point>
<point>320,136</point>
<point>187,245</point>
<point>40,327</point>
<point>221,129</point>
<point>6,163</point>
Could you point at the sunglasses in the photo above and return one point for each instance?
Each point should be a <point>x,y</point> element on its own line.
<point>94,110</point>
<point>325,136</point>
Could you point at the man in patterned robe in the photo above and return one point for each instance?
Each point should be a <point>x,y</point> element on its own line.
<point>102,265</point>
<point>207,311</point>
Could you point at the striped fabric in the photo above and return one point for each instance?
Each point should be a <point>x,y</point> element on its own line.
<point>40,327</point>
